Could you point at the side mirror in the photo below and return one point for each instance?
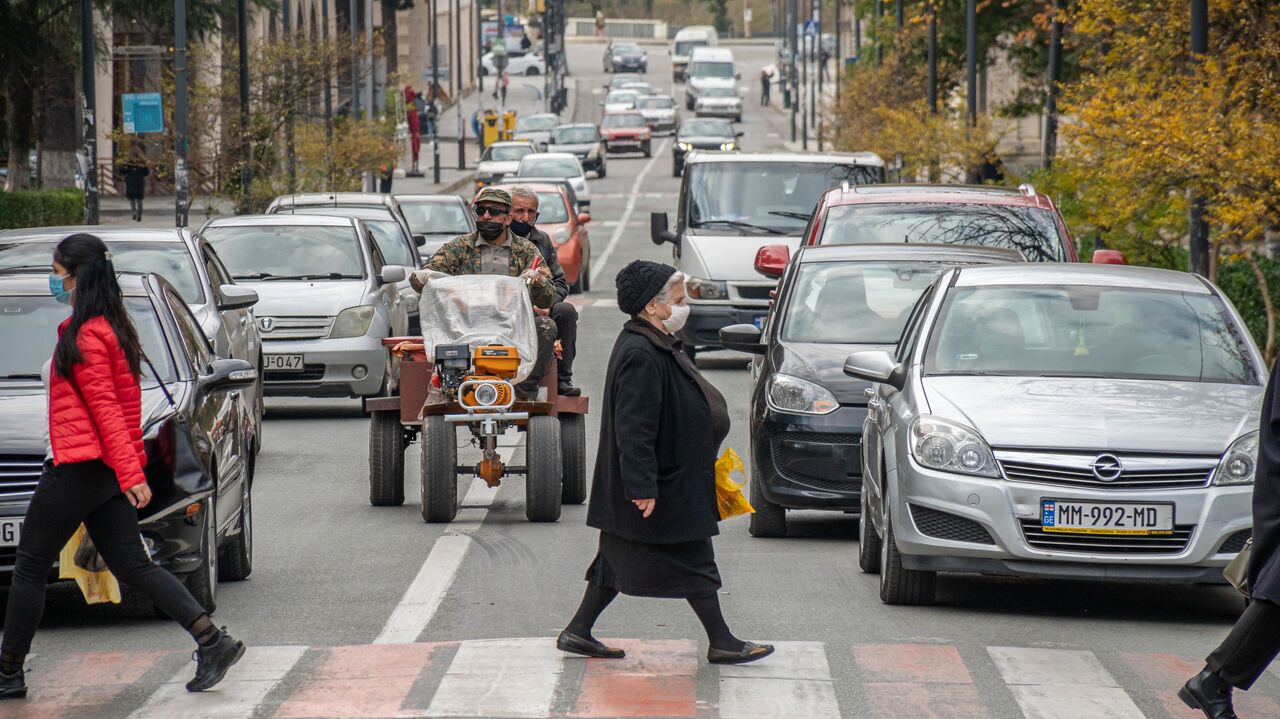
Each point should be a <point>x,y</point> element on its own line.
<point>658,231</point>
<point>875,366</point>
<point>235,297</point>
<point>583,218</point>
<point>771,260</point>
<point>1109,257</point>
<point>229,374</point>
<point>391,274</point>
<point>743,338</point>
<point>737,76</point>
<point>739,133</point>
<point>419,240</point>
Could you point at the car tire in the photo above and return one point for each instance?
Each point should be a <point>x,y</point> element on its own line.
<point>386,459</point>
<point>573,452</point>
<point>439,470</point>
<point>899,585</point>
<point>202,583</point>
<point>235,562</point>
<point>544,470</point>
<point>601,172</point>
<point>769,520</point>
<point>868,540</point>
<point>532,71</point>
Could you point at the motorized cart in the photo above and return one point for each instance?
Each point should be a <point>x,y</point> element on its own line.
<point>479,341</point>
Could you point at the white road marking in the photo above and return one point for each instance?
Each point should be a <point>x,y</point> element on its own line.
<point>598,265</point>
<point>500,678</point>
<point>794,682</point>
<point>1030,665</point>
<point>1071,701</point>
<point>236,697</point>
<point>1062,684</point>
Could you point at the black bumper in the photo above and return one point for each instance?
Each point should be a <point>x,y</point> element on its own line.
<point>810,462</point>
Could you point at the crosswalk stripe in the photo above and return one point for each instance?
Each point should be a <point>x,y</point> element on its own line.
<point>917,680</point>
<point>500,678</point>
<point>890,700</point>
<point>1163,675</point>
<point>656,679</point>
<point>360,681</point>
<point>83,681</point>
<point>237,697</point>
<point>794,682</point>
<point>1062,684</point>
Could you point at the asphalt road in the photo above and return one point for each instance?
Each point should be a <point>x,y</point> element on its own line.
<point>333,576</point>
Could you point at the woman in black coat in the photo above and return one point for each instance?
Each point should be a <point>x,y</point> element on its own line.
<point>654,497</point>
<point>1254,641</point>
<point>135,171</point>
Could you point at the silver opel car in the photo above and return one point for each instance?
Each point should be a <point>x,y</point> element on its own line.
<point>1062,421</point>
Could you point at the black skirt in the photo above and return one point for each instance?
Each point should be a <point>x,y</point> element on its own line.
<point>682,570</point>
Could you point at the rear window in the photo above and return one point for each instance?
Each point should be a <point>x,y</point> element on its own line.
<point>855,303</point>
<point>506,153</point>
<point>615,121</point>
<point>553,167</point>
<point>436,218</point>
<point>551,208</point>
<point>655,103</point>
<point>1030,230</point>
<point>170,260</point>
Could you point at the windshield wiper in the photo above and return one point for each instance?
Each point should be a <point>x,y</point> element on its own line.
<point>788,213</point>
<point>254,276</point>
<point>741,225</point>
<point>22,269</point>
<point>18,375</point>
<point>315,276</point>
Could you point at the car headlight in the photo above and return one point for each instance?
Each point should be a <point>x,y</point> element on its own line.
<point>1240,461</point>
<point>684,146</point>
<point>792,394</point>
<point>560,236</point>
<point>943,445</point>
<point>726,146</point>
<point>700,289</point>
<point>352,322</point>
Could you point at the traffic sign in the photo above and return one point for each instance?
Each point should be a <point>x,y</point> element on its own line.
<point>811,27</point>
<point>142,112</point>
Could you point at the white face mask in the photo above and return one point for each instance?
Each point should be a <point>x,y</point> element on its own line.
<point>679,315</point>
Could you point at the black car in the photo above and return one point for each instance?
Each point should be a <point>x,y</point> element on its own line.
<point>584,140</point>
<point>625,57</point>
<point>199,450</point>
<point>703,133</point>
<point>806,415</point>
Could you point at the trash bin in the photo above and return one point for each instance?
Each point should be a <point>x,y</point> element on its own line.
<point>492,130</point>
<point>509,125</point>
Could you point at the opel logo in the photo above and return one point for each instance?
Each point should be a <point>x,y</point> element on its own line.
<point>1107,467</point>
<point>266,324</point>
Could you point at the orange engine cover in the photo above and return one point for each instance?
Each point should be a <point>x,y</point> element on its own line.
<point>504,391</point>
<point>500,361</point>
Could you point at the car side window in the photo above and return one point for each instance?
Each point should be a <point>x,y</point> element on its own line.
<point>375,254</point>
<point>193,340</point>
<point>910,334</point>
<point>218,275</point>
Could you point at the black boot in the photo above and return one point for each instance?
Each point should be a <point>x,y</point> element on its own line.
<point>13,686</point>
<point>213,661</point>
<point>1207,692</point>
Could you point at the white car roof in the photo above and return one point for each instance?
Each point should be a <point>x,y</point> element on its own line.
<point>1076,273</point>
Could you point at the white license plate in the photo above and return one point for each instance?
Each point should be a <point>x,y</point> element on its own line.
<point>282,363</point>
<point>624,143</point>
<point>10,532</point>
<point>1072,517</point>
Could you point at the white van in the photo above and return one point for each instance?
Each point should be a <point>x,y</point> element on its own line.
<point>683,44</point>
<point>710,67</point>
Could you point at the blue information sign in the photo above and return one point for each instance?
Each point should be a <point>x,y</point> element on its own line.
<point>810,27</point>
<point>142,112</point>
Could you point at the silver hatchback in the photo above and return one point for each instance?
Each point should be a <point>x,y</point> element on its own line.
<point>1062,421</point>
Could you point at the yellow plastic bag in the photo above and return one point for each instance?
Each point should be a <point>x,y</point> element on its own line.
<point>79,560</point>
<point>729,495</point>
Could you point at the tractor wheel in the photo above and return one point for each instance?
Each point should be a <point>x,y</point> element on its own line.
<point>386,459</point>
<point>439,470</point>
<point>544,469</point>
<point>573,450</point>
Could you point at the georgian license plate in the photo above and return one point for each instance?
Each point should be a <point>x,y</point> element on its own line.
<point>1073,517</point>
<point>624,143</point>
<point>10,532</point>
<point>282,363</point>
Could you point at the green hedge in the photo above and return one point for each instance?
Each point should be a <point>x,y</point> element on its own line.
<point>41,208</point>
<point>1238,282</point>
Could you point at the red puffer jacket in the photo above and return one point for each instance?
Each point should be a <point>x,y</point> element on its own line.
<point>97,413</point>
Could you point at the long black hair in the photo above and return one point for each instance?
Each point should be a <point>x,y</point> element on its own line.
<point>97,294</point>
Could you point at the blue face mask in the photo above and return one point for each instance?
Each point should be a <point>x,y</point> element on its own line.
<point>56,289</point>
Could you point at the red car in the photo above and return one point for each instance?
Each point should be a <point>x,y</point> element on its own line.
<point>626,131</point>
<point>568,231</point>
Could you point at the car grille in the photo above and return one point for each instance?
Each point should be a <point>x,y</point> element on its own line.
<point>1107,543</point>
<point>789,458</point>
<point>1138,472</point>
<point>944,525</point>
<point>1235,542</point>
<point>19,475</point>
<point>309,373</point>
<point>294,328</point>
<point>750,292</point>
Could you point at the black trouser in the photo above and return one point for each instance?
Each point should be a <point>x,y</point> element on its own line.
<point>135,204</point>
<point>764,95</point>
<point>1253,642</point>
<point>84,492</point>
<point>565,316</point>
<point>546,349</point>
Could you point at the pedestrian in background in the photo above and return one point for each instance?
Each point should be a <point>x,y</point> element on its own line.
<point>823,57</point>
<point>96,474</point>
<point>1254,641</point>
<point>653,497</point>
<point>766,79</point>
<point>134,170</point>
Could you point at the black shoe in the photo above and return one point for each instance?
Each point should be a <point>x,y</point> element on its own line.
<point>213,661</point>
<point>13,686</point>
<point>750,653</point>
<point>1207,692</point>
<point>574,644</point>
<point>567,389</point>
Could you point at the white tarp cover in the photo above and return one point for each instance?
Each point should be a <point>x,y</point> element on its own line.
<point>479,310</point>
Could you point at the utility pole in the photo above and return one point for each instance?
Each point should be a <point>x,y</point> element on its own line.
<point>839,48</point>
<point>89,111</point>
<point>291,162</point>
<point>933,57</point>
<point>246,148</point>
<point>822,67</point>
<point>1197,228</point>
<point>373,70</point>
<point>435,85</point>
<point>479,53</point>
<point>353,8</point>
<point>793,32</point>
<point>1051,97</point>
<point>457,83</point>
<point>181,200</point>
<point>971,60</point>
<point>804,69</point>
<point>328,88</point>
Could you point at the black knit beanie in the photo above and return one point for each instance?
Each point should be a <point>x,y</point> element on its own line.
<point>640,282</point>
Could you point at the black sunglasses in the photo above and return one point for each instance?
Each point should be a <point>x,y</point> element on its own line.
<point>490,211</point>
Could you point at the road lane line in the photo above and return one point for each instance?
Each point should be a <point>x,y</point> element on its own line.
<point>1062,684</point>
<point>793,682</point>
<point>597,266</point>
<point>500,678</point>
<point>236,697</point>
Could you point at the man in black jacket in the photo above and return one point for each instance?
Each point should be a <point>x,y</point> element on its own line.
<point>524,212</point>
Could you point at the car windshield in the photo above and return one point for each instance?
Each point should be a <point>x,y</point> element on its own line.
<point>288,251</point>
<point>640,88</point>
<point>855,303</point>
<point>436,218</point>
<point>616,121</point>
<point>574,135</point>
<point>1029,230</point>
<point>392,243</point>
<point>706,128</point>
<point>29,330</point>
<point>626,49</point>
<point>506,153</point>
<point>551,208</point>
<point>709,68</point>
<point>1088,331</point>
<point>685,47</point>
<point>621,97</point>
<point>170,260</point>
<point>536,123</point>
<point>753,197</point>
<point>655,103</point>
<point>719,92</point>
<point>548,167</point>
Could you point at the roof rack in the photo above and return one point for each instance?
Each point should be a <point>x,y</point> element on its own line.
<point>1027,189</point>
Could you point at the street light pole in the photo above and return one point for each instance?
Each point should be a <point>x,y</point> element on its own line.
<point>435,85</point>
<point>457,82</point>
<point>89,111</point>
<point>822,68</point>
<point>1197,228</point>
<point>793,32</point>
<point>353,9</point>
<point>246,149</point>
<point>971,59</point>
<point>933,57</point>
<point>479,49</point>
<point>1051,96</point>
<point>181,200</point>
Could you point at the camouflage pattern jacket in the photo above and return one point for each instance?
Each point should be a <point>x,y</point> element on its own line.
<point>461,256</point>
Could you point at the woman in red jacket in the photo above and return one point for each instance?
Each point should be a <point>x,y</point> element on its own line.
<point>96,477</point>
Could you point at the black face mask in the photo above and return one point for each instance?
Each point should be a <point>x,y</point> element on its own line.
<point>521,228</point>
<point>490,230</point>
